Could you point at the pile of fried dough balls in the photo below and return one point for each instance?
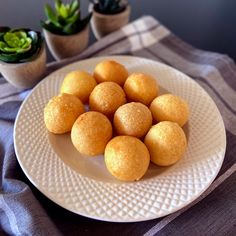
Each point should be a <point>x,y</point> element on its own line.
<point>128,122</point>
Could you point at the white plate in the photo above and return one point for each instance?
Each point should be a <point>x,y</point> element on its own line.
<point>84,186</point>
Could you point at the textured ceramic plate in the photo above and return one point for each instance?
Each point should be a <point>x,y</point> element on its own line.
<point>84,186</point>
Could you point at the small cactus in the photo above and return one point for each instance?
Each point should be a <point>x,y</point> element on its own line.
<point>65,19</point>
<point>109,6</point>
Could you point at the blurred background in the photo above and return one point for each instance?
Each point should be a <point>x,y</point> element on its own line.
<point>205,24</point>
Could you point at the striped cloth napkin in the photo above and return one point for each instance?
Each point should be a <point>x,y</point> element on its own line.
<point>25,211</point>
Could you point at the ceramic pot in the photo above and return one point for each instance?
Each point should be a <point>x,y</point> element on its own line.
<point>63,46</point>
<point>26,74</point>
<point>104,24</point>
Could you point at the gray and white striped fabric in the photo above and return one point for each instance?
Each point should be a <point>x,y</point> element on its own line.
<point>25,211</point>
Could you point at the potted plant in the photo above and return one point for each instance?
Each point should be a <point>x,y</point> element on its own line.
<point>108,16</point>
<point>22,56</point>
<point>65,33</point>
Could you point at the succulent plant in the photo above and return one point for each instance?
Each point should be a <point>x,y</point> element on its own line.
<point>109,6</point>
<point>19,45</point>
<point>65,19</point>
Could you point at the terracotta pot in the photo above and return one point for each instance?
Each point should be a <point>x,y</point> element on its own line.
<point>104,24</point>
<point>63,46</point>
<point>26,74</point>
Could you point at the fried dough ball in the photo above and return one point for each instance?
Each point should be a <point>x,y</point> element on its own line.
<point>142,88</point>
<point>78,83</point>
<point>134,119</point>
<point>106,98</point>
<point>110,71</point>
<point>169,107</point>
<point>166,142</point>
<point>127,158</point>
<point>91,133</point>
<point>61,112</point>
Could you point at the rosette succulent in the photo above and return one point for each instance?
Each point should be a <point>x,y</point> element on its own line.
<point>65,19</point>
<point>109,6</point>
<point>19,45</point>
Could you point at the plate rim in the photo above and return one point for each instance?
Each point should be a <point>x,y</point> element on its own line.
<point>140,219</point>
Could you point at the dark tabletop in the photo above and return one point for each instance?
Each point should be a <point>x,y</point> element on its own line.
<point>209,25</point>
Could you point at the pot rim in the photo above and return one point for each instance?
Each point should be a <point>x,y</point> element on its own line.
<point>116,15</point>
<point>66,35</point>
<point>34,58</point>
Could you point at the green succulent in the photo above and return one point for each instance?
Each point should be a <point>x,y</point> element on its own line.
<point>19,45</point>
<point>65,19</point>
<point>109,6</point>
<point>15,42</point>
